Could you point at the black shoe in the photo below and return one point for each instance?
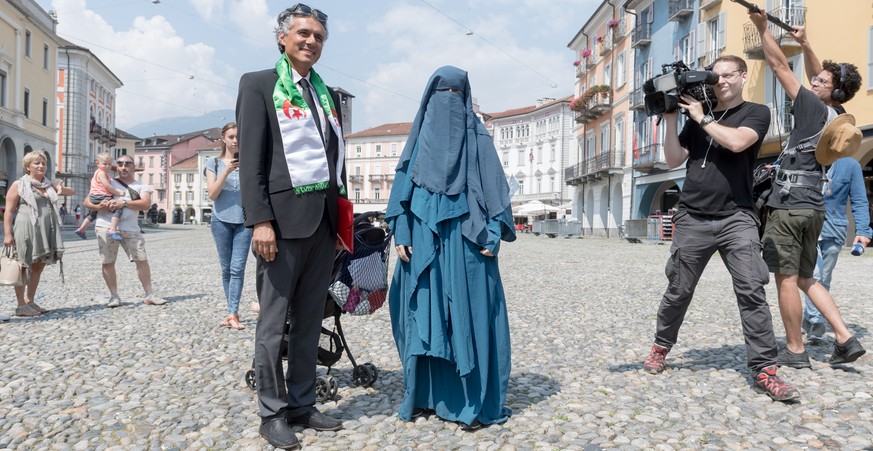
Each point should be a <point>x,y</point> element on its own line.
<point>279,434</point>
<point>815,334</point>
<point>847,352</point>
<point>474,426</point>
<point>316,420</point>
<point>788,358</point>
<point>421,412</point>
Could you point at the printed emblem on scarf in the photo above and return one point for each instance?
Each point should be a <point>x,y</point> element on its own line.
<point>298,113</point>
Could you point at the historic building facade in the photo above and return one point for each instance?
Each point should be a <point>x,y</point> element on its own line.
<point>535,144</point>
<point>371,157</point>
<point>86,116</point>
<point>28,68</point>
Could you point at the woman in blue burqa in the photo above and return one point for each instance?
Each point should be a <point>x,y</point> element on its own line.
<point>449,209</point>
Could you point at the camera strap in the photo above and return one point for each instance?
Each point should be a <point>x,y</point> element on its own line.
<point>786,178</point>
<point>809,144</point>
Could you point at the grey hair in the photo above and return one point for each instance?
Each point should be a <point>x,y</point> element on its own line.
<point>284,22</point>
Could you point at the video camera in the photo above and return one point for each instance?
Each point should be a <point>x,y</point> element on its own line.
<point>662,92</point>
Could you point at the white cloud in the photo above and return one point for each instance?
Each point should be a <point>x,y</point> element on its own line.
<point>423,40</point>
<point>208,9</point>
<point>152,61</point>
<point>254,20</point>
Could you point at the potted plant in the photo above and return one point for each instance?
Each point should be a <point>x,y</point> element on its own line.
<point>593,91</point>
<point>599,38</point>
<point>578,103</point>
<point>576,63</point>
<point>586,53</point>
<point>612,23</point>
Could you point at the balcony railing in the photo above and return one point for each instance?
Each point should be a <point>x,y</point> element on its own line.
<point>374,178</point>
<point>618,32</point>
<point>581,69</point>
<point>649,157</point>
<point>709,57</point>
<point>96,131</point>
<point>356,178</point>
<point>369,200</point>
<point>604,46</point>
<point>781,121</point>
<point>105,136</point>
<point>642,35</point>
<point>679,9</point>
<point>752,39</point>
<point>636,99</point>
<point>594,167</point>
<point>598,104</point>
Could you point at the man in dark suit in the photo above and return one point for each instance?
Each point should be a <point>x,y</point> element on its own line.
<point>291,174</point>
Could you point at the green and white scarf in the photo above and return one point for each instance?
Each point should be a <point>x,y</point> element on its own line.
<point>305,151</point>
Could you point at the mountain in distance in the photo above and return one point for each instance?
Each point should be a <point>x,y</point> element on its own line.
<point>182,124</point>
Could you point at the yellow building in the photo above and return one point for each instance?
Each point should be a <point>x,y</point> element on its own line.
<point>827,29</point>
<point>28,73</point>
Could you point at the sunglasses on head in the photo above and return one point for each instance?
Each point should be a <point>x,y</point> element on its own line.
<point>300,9</point>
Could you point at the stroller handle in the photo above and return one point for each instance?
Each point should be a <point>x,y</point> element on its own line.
<point>363,217</point>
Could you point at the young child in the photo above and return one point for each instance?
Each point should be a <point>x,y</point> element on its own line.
<point>101,189</point>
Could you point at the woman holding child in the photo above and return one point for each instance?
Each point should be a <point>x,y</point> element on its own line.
<point>35,231</point>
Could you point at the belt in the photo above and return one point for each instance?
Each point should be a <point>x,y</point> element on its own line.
<point>786,179</point>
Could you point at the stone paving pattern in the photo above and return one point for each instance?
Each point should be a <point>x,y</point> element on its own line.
<point>582,316</point>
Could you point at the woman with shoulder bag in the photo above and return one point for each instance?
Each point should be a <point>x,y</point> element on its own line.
<point>232,238</point>
<point>35,234</point>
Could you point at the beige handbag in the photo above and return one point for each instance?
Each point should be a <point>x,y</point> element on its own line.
<point>10,269</point>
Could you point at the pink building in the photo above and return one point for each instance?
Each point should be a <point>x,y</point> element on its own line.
<point>371,156</point>
<point>155,155</point>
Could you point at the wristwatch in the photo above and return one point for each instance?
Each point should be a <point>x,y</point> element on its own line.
<point>706,120</point>
<point>124,201</point>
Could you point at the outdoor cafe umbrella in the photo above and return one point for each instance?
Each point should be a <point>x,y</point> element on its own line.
<point>534,208</point>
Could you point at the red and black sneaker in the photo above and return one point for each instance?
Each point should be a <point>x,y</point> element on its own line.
<point>655,361</point>
<point>766,381</point>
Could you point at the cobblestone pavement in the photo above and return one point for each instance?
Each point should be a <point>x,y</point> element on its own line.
<point>582,316</point>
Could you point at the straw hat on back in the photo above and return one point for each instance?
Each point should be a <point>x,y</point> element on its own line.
<point>838,140</point>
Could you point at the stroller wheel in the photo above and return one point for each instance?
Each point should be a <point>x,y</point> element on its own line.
<point>322,388</point>
<point>334,387</point>
<point>250,379</point>
<point>374,373</point>
<point>364,375</point>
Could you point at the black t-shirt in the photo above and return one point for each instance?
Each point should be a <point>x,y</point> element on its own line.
<point>810,117</point>
<point>724,184</point>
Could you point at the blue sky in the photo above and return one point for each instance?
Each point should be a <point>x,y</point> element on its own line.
<point>185,57</point>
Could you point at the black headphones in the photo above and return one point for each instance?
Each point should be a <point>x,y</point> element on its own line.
<point>838,94</point>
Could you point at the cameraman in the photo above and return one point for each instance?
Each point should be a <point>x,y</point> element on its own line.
<point>797,210</point>
<point>716,213</point>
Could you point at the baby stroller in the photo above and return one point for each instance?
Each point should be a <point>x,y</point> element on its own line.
<point>359,286</point>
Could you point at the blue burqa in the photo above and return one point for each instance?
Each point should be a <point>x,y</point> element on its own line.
<point>450,200</point>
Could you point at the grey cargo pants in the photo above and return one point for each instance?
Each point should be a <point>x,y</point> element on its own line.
<point>695,240</point>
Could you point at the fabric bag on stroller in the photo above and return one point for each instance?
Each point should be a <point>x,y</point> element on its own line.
<point>361,284</point>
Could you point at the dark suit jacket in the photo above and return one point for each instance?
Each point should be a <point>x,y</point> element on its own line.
<point>265,184</point>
